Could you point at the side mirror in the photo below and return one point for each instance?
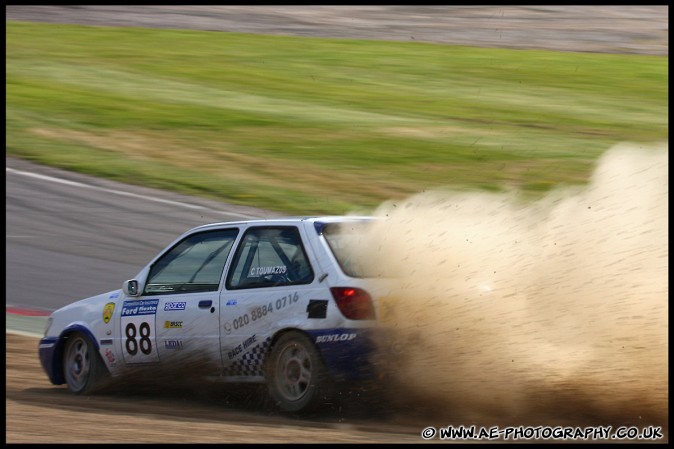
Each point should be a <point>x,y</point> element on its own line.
<point>131,288</point>
<point>135,287</point>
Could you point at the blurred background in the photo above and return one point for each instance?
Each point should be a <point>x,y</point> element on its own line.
<point>327,109</point>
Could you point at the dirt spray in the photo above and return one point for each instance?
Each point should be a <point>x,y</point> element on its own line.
<point>545,312</point>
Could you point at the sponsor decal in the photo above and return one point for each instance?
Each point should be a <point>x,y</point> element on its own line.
<point>231,302</point>
<point>336,337</point>
<point>172,305</point>
<point>106,342</point>
<point>173,344</point>
<point>251,362</point>
<point>108,311</point>
<point>114,295</point>
<point>110,356</point>
<point>238,349</point>
<point>261,312</point>
<point>173,324</point>
<point>140,307</point>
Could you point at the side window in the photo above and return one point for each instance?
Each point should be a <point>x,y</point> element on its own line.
<point>195,264</point>
<point>269,257</point>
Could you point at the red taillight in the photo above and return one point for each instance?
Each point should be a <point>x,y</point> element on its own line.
<point>354,303</point>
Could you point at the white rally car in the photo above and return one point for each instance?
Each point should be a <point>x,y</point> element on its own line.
<point>272,301</point>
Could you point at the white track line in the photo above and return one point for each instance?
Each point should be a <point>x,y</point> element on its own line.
<point>119,192</point>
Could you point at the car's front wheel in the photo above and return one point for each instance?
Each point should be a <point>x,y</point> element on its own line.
<point>296,375</point>
<point>82,366</point>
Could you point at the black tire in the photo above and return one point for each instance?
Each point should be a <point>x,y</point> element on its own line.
<point>82,367</point>
<point>296,376</point>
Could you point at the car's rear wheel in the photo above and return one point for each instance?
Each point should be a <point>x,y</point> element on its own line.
<point>296,375</point>
<point>82,366</point>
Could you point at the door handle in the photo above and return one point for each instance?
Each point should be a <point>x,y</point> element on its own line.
<point>205,304</point>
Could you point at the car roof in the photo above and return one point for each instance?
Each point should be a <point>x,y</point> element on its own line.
<point>318,221</point>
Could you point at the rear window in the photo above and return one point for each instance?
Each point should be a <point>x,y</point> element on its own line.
<point>345,241</point>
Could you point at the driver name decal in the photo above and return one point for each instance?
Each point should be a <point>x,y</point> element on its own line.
<point>262,271</point>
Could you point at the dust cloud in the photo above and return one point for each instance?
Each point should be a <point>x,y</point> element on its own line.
<point>551,312</point>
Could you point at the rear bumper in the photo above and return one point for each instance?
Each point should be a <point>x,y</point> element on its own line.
<point>351,354</point>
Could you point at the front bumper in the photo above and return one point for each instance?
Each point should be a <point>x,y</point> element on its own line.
<point>49,352</point>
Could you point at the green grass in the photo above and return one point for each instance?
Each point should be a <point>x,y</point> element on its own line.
<point>308,125</point>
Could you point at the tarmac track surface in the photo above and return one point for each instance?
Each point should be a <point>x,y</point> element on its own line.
<point>38,412</point>
<point>583,28</point>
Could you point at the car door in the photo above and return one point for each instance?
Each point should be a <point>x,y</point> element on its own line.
<point>177,316</point>
<point>268,286</point>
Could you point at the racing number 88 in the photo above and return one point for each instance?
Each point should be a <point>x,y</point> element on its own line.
<point>145,342</point>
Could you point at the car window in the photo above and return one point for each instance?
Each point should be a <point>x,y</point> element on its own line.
<point>348,242</point>
<point>269,257</point>
<point>195,264</point>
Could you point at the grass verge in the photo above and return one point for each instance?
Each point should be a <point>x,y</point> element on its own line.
<point>308,125</point>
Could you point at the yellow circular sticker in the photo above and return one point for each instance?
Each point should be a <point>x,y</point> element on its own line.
<point>107,312</point>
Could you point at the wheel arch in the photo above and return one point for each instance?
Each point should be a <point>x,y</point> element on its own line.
<point>278,334</point>
<point>57,360</point>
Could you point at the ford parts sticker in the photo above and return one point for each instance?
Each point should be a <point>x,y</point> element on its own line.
<point>140,307</point>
